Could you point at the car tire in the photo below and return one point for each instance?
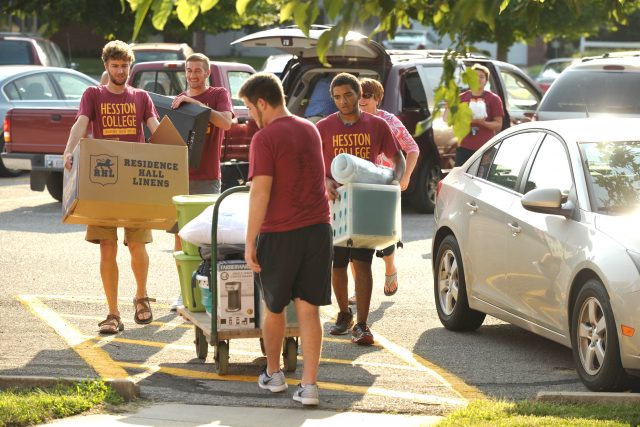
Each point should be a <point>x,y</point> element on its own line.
<point>4,171</point>
<point>424,194</point>
<point>593,334</point>
<point>450,289</point>
<point>54,185</point>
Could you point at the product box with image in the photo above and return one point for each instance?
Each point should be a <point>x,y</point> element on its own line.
<point>126,184</point>
<point>236,307</point>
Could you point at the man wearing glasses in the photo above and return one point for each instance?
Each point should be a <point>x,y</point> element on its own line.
<point>355,132</point>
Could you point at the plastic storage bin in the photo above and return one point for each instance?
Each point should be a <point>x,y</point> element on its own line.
<point>366,216</point>
<point>189,207</point>
<point>290,317</point>
<point>206,296</point>
<point>191,296</point>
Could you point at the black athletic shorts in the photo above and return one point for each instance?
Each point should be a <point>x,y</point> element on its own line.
<point>342,256</point>
<point>295,264</point>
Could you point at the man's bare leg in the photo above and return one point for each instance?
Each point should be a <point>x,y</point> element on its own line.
<point>311,337</point>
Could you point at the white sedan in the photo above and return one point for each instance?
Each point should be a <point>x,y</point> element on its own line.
<point>539,228</point>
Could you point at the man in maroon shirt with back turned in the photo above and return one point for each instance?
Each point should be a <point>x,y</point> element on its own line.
<point>117,111</point>
<point>289,236</point>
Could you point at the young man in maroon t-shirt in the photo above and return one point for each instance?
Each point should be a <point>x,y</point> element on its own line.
<point>205,179</point>
<point>289,236</point>
<point>117,111</point>
<point>364,135</point>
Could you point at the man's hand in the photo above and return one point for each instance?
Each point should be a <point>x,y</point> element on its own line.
<point>332,188</point>
<point>251,257</point>
<point>68,161</point>
<point>178,100</point>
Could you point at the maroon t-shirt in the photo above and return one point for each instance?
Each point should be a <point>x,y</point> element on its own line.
<point>289,150</point>
<point>117,116</point>
<point>216,98</point>
<point>366,138</point>
<point>479,135</point>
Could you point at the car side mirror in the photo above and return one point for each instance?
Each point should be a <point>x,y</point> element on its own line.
<point>547,201</point>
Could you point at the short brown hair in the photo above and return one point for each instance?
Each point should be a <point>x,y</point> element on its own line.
<point>372,86</point>
<point>198,57</point>
<point>117,49</point>
<point>482,68</point>
<point>263,85</point>
<point>346,79</point>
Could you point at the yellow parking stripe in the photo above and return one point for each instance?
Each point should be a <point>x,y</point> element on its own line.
<point>186,325</point>
<point>97,358</point>
<point>416,397</point>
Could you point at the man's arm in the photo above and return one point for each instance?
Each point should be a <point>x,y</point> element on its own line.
<point>400,166</point>
<point>412,160</point>
<point>78,130</point>
<point>153,123</point>
<point>495,124</point>
<point>221,119</point>
<point>258,202</point>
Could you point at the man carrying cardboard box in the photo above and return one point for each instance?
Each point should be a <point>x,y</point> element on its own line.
<point>117,111</point>
<point>205,179</point>
<point>289,237</point>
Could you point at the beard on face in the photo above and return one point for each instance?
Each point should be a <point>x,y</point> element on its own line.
<point>117,81</point>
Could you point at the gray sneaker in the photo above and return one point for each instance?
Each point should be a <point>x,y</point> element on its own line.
<point>307,395</point>
<point>177,303</point>
<point>344,323</point>
<point>274,383</point>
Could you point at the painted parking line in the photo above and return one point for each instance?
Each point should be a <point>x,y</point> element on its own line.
<point>89,348</point>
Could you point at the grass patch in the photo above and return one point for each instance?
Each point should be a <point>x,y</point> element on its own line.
<point>23,407</point>
<point>538,414</point>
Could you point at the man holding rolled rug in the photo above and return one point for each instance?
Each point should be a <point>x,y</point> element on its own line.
<point>352,131</point>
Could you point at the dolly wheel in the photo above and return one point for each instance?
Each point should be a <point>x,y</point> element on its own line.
<point>222,357</point>
<point>290,354</point>
<point>202,346</point>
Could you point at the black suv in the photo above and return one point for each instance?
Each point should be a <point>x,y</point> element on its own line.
<point>409,79</point>
<point>25,49</point>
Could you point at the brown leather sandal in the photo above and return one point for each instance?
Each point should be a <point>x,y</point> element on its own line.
<point>111,325</point>
<point>146,308</point>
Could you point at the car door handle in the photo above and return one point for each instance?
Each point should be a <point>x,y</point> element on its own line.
<point>473,207</point>
<point>515,228</point>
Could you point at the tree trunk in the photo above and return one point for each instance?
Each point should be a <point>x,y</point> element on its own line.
<point>502,50</point>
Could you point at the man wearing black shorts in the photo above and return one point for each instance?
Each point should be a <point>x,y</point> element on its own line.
<point>289,237</point>
<point>364,135</point>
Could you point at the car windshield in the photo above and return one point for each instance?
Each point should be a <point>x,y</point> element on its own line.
<point>613,172</point>
<point>15,52</point>
<point>156,55</point>
<point>594,91</point>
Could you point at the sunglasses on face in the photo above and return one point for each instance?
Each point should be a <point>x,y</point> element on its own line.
<point>367,95</point>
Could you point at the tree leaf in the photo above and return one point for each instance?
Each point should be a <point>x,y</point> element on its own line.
<point>504,5</point>
<point>241,6</point>
<point>187,11</point>
<point>206,5</point>
<point>286,12</point>
<point>462,121</point>
<point>161,12</point>
<point>141,12</point>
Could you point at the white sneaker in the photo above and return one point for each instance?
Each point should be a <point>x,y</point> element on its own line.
<point>177,303</point>
<point>307,395</point>
<point>274,383</point>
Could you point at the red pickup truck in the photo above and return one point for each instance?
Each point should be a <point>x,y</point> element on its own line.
<point>36,137</point>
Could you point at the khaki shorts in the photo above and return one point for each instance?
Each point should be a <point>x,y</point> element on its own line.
<point>96,233</point>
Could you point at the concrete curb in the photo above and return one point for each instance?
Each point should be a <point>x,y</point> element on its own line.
<point>126,388</point>
<point>588,397</point>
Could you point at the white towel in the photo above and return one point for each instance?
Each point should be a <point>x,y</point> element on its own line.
<point>347,168</point>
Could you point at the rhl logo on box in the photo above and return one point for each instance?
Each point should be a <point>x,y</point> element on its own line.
<point>104,169</point>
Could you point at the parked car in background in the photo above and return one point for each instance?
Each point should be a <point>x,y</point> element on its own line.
<point>25,49</point>
<point>595,86</point>
<point>551,70</point>
<point>410,39</point>
<point>33,86</point>
<point>146,52</point>
<point>536,229</point>
<point>409,79</point>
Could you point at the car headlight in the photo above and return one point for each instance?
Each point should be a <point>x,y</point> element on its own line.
<point>635,257</point>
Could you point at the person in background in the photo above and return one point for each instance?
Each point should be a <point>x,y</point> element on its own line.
<point>117,111</point>
<point>205,179</point>
<point>289,236</point>
<point>351,131</point>
<point>487,118</point>
<point>372,94</point>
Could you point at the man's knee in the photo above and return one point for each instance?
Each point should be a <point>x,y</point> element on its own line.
<point>108,249</point>
<point>137,249</point>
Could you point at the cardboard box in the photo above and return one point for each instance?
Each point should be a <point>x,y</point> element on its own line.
<point>191,121</point>
<point>366,216</point>
<point>236,307</point>
<point>125,184</point>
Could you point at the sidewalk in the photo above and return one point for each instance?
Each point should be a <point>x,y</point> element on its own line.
<point>177,414</point>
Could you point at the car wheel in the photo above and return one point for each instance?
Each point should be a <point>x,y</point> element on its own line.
<point>54,185</point>
<point>424,195</point>
<point>451,291</point>
<point>594,340</point>
<point>4,171</point>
